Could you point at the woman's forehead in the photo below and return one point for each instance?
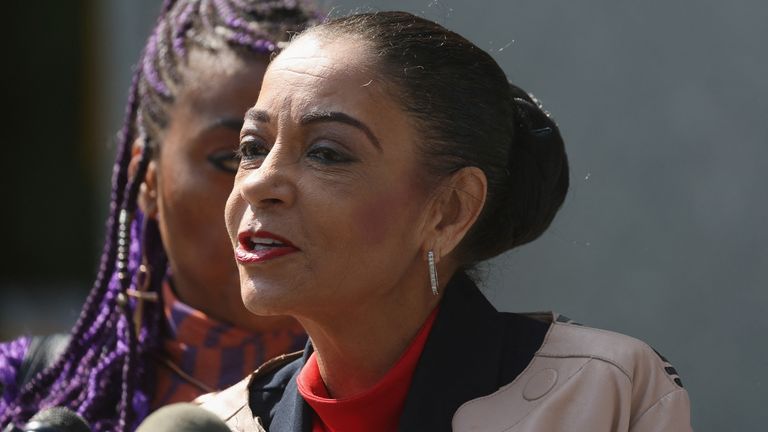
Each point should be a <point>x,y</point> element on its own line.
<point>322,57</point>
<point>315,74</point>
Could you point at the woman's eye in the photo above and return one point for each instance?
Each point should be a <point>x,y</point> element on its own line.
<point>328,155</point>
<point>225,160</point>
<point>251,149</point>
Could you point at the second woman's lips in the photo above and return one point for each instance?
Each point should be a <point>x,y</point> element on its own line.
<point>259,246</point>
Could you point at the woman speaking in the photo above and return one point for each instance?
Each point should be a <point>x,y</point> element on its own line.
<point>385,157</point>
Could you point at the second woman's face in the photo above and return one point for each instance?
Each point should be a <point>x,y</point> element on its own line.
<point>327,205</point>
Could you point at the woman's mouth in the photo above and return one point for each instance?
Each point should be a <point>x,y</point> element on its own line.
<point>260,246</point>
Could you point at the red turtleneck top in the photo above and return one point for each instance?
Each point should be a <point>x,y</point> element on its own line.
<point>377,409</point>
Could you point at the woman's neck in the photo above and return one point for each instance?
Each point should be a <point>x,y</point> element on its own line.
<point>357,348</point>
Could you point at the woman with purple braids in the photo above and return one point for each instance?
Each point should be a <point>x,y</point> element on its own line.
<point>164,321</point>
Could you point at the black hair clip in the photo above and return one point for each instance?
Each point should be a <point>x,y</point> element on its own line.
<point>541,132</point>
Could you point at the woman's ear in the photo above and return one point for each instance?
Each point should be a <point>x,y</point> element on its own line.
<point>147,199</point>
<point>457,205</point>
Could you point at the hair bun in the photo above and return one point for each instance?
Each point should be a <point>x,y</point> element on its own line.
<point>538,167</point>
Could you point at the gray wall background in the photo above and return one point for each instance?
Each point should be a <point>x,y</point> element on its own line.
<point>664,108</point>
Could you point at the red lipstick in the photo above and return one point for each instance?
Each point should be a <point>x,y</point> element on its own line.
<point>261,246</point>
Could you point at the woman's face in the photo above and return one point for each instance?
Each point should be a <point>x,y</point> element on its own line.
<point>328,201</point>
<point>192,175</point>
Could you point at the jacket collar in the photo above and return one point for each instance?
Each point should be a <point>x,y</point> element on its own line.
<point>460,359</point>
<point>292,413</point>
<point>466,356</point>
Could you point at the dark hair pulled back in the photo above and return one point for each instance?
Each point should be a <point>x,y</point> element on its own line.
<point>469,115</point>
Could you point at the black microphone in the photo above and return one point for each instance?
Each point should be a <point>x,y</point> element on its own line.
<point>182,417</point>
<point>56,419</point>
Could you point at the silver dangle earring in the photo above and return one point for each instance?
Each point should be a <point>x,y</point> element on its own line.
<point>432,272</point>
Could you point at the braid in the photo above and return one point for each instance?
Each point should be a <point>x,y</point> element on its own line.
<point>102,372</point>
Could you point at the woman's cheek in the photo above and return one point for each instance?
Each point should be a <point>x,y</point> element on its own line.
<point>376,219</point>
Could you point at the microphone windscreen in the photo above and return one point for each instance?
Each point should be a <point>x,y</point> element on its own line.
<point>57,419</point>
<point>182,417</point>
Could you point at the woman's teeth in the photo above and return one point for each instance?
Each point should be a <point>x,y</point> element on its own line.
<point>262,243</point>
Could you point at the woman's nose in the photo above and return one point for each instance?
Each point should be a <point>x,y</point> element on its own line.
<point>271,184</point>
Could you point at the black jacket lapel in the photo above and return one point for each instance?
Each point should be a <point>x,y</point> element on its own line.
<point>278,401</point>
<point>459,361</point>
<point>471,351</point>
<point>292,413</point>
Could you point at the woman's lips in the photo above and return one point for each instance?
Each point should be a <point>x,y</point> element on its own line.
<point>260,246</point>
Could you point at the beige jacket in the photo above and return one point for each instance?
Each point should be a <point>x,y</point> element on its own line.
<point>584,379</point>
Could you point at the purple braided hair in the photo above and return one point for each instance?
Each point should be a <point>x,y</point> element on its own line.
<point>102,372</point>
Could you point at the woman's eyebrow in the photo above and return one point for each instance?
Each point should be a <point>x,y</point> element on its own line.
<point>257,116</point>
<point>340,117</point>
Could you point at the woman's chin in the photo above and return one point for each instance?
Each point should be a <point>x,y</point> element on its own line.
<point>266,299</point>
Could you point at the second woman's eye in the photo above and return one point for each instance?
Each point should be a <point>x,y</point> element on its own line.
<point>225,160</point>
